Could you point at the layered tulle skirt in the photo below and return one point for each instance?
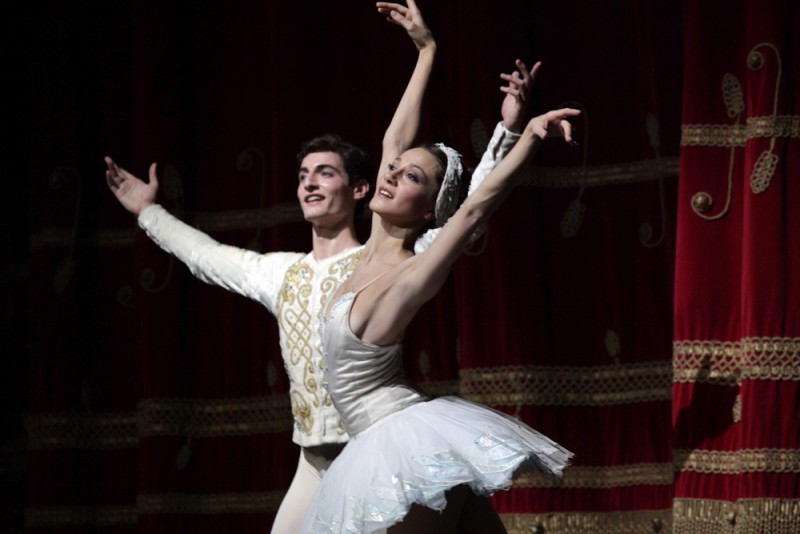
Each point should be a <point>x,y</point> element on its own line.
<point>417,454</point>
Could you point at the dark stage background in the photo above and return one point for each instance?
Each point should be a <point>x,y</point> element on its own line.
<point>662,347</point>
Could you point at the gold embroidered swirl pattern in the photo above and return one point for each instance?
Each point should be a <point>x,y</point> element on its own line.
<point>337,273</point>
<point>295,325</point>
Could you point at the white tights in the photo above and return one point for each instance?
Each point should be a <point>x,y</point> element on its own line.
<point>313,463</point>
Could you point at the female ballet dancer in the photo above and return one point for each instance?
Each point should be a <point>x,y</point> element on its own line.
<point>406,448</point>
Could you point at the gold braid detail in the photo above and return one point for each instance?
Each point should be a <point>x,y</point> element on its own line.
<point>75,516</point>
<point>737,462</point>
<point>635,522</point>
<point>737,135</point>
<point>170,503</point>
<point>568,386</point>
<point>728,363</point>
<point>601,477</point>
<point>194,504</point>
<point>745,516</point>
<point>159,417</point>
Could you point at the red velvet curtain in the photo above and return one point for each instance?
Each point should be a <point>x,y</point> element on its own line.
<point>157,403</point>
<point>736,404</point>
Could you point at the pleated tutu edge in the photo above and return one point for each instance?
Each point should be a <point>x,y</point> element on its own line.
<point>418,453</point>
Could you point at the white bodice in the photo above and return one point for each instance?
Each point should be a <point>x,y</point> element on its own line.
<point>366,382</point>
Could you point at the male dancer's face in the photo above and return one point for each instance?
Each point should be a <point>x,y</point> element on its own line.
<point>326,197</point>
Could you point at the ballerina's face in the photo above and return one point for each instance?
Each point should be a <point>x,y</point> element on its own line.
<point>406,192</point>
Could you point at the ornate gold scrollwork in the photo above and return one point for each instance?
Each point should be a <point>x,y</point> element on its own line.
<point>732,96</point>
<point>764,168</point>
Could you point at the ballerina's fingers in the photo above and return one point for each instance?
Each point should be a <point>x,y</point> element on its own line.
<point>412,6</point>
<point>514,87</point>
<point>512,78</point>
<point>393,10</point>
<point>529,76</point>
<point>554,123</point>
<point>522,70</point>
<point>539,130</point>
<point>513,91</point>
<point>396,18</point>
<point>566,128</point>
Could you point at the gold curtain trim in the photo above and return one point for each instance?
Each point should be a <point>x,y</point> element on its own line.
<point>82,431</point>
<point>568,386</point>
<point>737,135</point>
<point>72,516</point>
<point>160,417</point>
<point>728,362</point>
<point>64,237</point>
<point>170,417</point>
<point>745,516</point>
<point>289,212</point>
<point>206,222</point>
<point>208,418</point>
<point>508,386</point>
<point>634,522</point>
<point>601,477</point>
<point>223,503</point>
<point>600,175</point>
<point>737,462</point>
<point>248,219</point>
<point>177,503</point>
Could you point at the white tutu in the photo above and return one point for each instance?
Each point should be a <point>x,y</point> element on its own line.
<point>417,454</point>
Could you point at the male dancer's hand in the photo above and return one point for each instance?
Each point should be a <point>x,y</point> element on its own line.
<point>132,193</point>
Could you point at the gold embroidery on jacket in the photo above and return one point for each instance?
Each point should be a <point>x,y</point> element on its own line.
<point>300,344</point>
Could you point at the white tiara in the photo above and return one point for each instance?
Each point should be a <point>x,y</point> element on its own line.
<point>447,200</point>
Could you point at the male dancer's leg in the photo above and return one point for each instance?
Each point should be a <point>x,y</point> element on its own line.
<point>313,463</point>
